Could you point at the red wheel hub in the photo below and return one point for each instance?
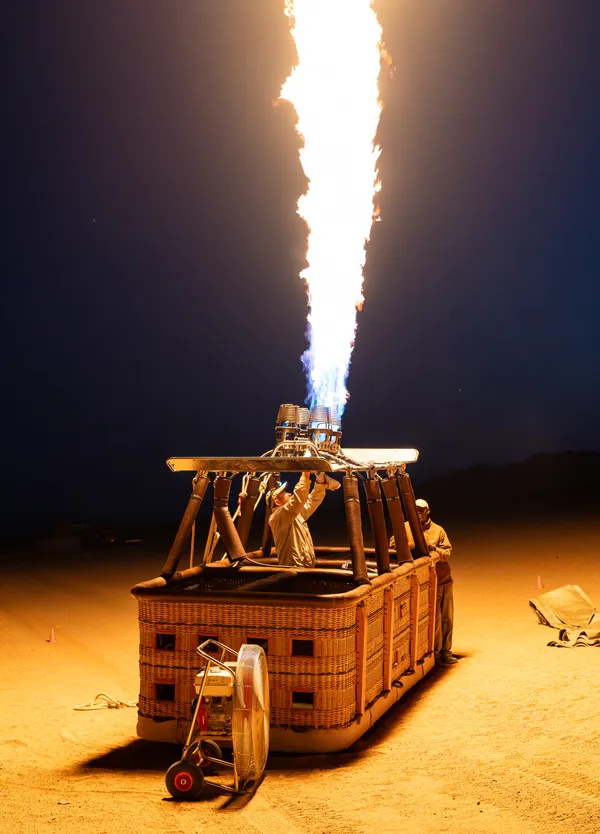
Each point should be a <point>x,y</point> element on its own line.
<point>183,781</point>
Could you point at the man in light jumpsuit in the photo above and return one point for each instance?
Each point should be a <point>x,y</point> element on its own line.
<point>438,541</point>
<point>289,514</point>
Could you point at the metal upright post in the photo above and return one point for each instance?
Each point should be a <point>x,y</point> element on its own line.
<point>199,485</point>
<point>354,525</point>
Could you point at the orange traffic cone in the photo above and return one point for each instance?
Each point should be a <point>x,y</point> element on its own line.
<point>540,584</point>
<point>52,638</point>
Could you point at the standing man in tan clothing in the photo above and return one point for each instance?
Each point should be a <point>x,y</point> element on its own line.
<point>289,514</point>
<point>438,542</point>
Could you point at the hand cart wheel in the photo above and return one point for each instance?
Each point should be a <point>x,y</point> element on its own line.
<point>184,780</point>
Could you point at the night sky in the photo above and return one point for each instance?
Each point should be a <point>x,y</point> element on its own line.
<point>151,249</point>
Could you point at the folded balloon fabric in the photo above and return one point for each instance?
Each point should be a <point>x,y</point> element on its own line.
<point>571,611</point>
<point>571,639</point>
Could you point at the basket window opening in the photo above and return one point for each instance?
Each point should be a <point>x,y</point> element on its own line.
<point>263,642</point>
<point>165,642</point>
<point>303,648</point>
<point>303,700</point>
<point>213,650</point>
<point>165,691</point>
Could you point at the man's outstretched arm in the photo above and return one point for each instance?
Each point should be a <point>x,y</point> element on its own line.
<point>315,497</point>
<point>295,505</point>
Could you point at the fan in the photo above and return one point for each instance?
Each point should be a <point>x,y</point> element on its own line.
<point>250,714</point>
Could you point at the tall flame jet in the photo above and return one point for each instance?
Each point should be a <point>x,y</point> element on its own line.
<point>334,89</point>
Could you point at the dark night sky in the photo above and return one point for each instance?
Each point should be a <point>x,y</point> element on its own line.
<point>151,249</point>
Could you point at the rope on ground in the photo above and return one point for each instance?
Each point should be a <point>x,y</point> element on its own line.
<point>104,701</point>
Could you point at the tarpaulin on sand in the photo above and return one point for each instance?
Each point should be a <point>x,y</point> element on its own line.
<point>571,611</point>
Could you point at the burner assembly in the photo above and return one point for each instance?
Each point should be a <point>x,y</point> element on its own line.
<point>300,432</point>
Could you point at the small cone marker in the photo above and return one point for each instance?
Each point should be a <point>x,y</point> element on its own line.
<point>52,638</point>
<point>540,584</point>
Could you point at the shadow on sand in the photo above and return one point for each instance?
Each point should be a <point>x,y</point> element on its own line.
<point>141,755</point>
<point>135,755</point>
<point>388,724</point>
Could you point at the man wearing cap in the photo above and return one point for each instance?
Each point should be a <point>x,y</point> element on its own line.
<point>289,514</point>
<point>438,542</point>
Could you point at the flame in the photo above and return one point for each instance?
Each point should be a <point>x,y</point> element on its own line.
<point>334,89</point>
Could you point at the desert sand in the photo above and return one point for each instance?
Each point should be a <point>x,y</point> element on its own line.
<point>506,742</point>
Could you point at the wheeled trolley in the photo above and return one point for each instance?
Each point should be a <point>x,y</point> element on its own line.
<point>231,707</point>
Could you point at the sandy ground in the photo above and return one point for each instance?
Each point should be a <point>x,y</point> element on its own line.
<point>507,741</point>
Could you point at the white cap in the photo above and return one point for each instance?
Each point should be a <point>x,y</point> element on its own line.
<point>422,504</point>
<point>276,492</point>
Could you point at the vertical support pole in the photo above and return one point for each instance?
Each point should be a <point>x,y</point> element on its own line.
<point>377,518</point>
<point>432,608</point>
<point>225,525</point>
<point>388,637</point>
<point>410,509</point>
<point>199,485</point>
<point>392,496</point>
<point>414,620</point>
<point>211,542</point>
<point>247,509</point>
<point>192,544</point>
<point>354,525</point>
<point>361,658</point>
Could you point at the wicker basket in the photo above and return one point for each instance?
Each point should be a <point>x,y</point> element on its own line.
<point>332,649</point>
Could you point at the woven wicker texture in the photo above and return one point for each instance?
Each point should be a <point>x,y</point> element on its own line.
<point>310,648</point>
<point>330,718</point>
<point>182,611</point>
<point>401,653</point>
<point>374,676</point>
<point>330,674</point>
<point>423,637</point>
